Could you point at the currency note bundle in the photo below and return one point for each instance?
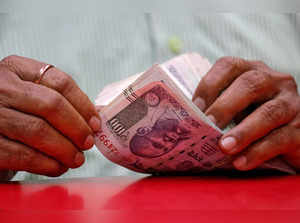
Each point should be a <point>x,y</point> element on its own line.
<point>150,124</point>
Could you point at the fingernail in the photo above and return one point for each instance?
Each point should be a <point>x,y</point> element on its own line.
<point>79,159</point>
<point>240,161</point>
<point>212,118</point>
<point>89,142</point>
<point>95,124</point>
<point>200,103</point>
<point>228,143</point>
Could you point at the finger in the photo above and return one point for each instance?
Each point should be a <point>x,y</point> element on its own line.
<point>263,120</point>
<point>28,70</point>
<point>274,144</point>
<point>44,102</point>
<point>38,134</point>
<point>292,156</point>
<point>19,157</point>
<point>250,87</point>
<point>220,76</point>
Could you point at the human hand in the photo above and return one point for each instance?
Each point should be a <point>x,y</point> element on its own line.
<point>43,127</point>
<point>263,102</point>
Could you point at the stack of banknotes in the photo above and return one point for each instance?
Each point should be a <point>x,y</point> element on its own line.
<point>150,124</point>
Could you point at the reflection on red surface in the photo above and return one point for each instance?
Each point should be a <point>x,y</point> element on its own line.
<point>126,197</point>
<point>208,194</point>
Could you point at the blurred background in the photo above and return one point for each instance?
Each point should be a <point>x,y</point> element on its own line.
<point>97,50</point>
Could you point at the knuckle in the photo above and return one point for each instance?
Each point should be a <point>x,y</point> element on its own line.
<point>259,64</point>
<point>279,137</point>
<point>9,61</point>
<point>54,103</point>
<point>234,62</point>
<point>270,113</point>
<point>226,61</point>
<point>39,128</point>
<point>256,81</point>
<point>8,64</point>
<point>278,111</point>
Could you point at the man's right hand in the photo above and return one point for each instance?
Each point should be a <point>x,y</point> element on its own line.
<point>43,127</point>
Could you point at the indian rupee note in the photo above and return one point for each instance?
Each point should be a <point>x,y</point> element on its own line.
<point>152,125</point>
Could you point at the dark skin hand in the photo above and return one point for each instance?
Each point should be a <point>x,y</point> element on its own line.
<point>44,127</point>
<point>265,105</point>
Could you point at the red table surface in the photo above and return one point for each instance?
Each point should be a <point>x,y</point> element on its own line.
<point>153,199</point>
